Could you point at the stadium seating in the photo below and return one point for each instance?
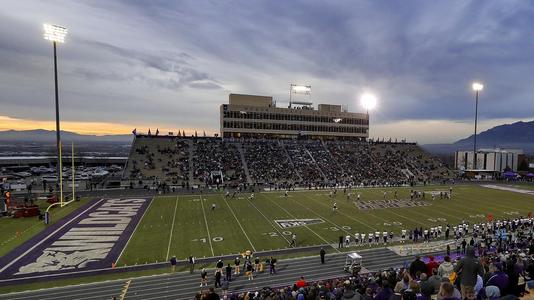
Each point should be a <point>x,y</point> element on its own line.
<point>189,161</point>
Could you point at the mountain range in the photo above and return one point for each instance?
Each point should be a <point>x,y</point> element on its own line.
<point>518,135</point>
<point>49,136</point>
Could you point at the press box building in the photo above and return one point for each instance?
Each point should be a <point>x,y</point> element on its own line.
<point>253,116</point>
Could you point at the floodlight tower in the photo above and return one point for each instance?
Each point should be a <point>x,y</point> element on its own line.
<point>477,87</point>
<point>368,102</point>
<point>56,34</point>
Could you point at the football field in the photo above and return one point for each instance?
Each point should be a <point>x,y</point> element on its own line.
<point>188,225</point>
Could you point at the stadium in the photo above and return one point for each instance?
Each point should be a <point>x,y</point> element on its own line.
<point>284,184</point>
<point>181,167</point>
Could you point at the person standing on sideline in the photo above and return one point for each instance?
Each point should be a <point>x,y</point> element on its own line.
<point>173,263</point>
<point>218,278</point>
<point>192,260</point>
<point>228,273</point>
<point>203,277</point>
<point>272,266</point>
<point>237,262</point>
<point>220,265</point>
<point>293,241</point>
<point>322,253</point>
<point>340,244</point>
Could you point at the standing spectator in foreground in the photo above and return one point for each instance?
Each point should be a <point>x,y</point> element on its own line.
<point>468,268</point>
<point>173,263</point>
<point>212,295</point>
<point>322,253</point>
<point>417,267</point>
<point>431,265</point>
<point>301,282</point>
<point>446,292</point>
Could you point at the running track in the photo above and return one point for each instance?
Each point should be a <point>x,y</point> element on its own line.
<point>184,285</point>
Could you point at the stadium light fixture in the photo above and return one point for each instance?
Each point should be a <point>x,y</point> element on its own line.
<point>56,34</point>
<point>477,87</point>
<point>368,101</point>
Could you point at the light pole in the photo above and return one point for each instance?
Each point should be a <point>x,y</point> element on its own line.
<point>56,34</point>
<point>368,102</point>
<point>477,87</point>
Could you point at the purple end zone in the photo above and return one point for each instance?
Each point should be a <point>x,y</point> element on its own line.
<point>90,238</point>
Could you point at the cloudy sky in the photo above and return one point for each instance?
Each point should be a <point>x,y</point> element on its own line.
<point>170,64</point>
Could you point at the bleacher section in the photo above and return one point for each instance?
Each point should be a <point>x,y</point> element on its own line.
<point>188,161</point>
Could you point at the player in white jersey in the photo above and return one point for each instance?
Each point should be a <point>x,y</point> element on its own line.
<point>358,198</point>
<point>251,196</point>
<point>370,238</point>
<point>403,236</point>
<point>377,237</point>
<point>385,237</point>
<point>334,207</point>
<point>347,240</point>
<point>286,193</point>
<point>356,238</point>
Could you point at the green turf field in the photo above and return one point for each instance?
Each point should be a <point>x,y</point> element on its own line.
<point>184,225</point>
<point>17,231</point>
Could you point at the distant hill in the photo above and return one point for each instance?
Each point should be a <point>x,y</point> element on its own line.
<point>45,136</point>
<point>518,135</point>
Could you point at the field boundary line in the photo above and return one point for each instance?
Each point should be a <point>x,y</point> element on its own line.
<point>207,227</point>
<point>239,223</point>
<point>293,216</point>
<point>47,237</point>
<point>172,229</point>
<point>135,229</point>
<point>270,222</point>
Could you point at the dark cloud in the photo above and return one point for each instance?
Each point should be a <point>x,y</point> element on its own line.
<point>178,61</point>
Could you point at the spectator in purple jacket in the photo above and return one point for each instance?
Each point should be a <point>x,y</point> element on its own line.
<point>498,278</point>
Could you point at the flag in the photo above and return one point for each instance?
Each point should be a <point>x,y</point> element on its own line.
<point>179,133</point>
<point>183,133</point>
<point>195,133</point>
<point>149,133</point>
<point>134,131</point>
<point>204,133</point>
<point>157,131</point>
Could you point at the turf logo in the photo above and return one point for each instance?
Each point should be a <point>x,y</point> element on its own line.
<point>297,222</point>
<point>93,239</point>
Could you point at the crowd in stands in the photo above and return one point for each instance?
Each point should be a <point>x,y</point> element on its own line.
<point>217,155</point>
<point>503,269</point>
<point>268,163</point>
<point>192,160</point>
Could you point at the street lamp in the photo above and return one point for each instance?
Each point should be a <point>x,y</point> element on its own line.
<point>56,34</point>
<point>477,87</point>
<point>368,102</point>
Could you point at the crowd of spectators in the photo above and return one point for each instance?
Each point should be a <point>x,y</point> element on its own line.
<point>504,269</point>
<point>217,155</point>
<point>280,162</point>
<point>267,162</point>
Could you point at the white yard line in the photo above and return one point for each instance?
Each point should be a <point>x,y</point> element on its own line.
<point>239,223</point>
<point>207,227</point>
<point>270,222</point>
<point>290,214</point>
<point>47,237</point>
<point>172,229</point>
<point>135,229</point>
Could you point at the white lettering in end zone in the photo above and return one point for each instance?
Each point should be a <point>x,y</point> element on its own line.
<point>91,240</point>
